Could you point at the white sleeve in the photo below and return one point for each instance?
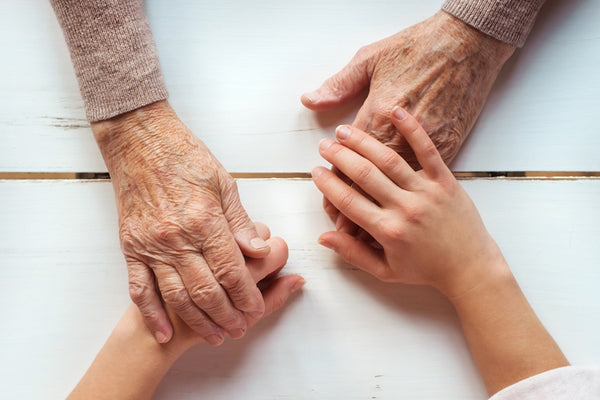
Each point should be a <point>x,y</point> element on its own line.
<point>566,383</point>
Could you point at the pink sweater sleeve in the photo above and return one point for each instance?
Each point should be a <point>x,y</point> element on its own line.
<point>113,54</point>
<point>509,21</point>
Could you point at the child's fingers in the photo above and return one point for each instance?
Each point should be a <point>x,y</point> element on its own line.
<point>345,198</point>
<point>357,253</point>
<point>384,158</point>
<point>260,268</point>
<point>360,170</point>
<point>426,152</point>
<point>278,293</point>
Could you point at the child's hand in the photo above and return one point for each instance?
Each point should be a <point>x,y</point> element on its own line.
<point>428,228</point>
<point>262,270</point>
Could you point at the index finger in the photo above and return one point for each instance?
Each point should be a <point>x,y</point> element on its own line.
<point>385,159</point>
<point>227,263</point>
<point>425,150</point>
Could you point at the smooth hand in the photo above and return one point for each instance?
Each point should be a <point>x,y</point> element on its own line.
<point>427,229</point>
<point>183,229</point>
<point>440,70</point>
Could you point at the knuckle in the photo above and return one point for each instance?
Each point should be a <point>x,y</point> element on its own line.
<point>348,255</point>
<point>391,231</point>
<point>176,296</point>
<point>448,143</point>
<point>362,53</point>
<point>230,277</point>
<point>362,173</point>
<point>150,314</point>
<point>229,187</point>
<point>128,238</point>
<point>429,149</point>
<point>346,199</point>
<point>206,295</point>
<point>414,214</point>
<point>140,292</point>
<point>166,232</point>
<point>388,159</point>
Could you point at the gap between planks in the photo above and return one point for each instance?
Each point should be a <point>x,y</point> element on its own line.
<point>516,175</point>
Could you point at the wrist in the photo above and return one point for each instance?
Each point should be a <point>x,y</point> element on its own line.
<point>491,48</point>
<point>485,269</point>
<point>128,135</point>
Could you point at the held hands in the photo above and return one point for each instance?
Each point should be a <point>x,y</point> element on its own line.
<point>428,229</point>
<point>262,270</point>
<point>440,70</point>
<point>131,363</point>
<point>183,229</point>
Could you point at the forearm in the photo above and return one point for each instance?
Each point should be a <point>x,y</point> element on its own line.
<point>507,340</point>
<point>113,54</point>
<point>131,363</point>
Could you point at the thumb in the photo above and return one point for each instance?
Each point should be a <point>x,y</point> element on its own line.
<point>243,229</point>
<point>341,87</point>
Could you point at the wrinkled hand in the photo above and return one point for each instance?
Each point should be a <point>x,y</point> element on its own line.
<point>440,70</point>
<point>182,226</point>
<point>275,293</point>
<point>427,227</point>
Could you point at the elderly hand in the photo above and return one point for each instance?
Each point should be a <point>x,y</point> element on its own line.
<point>427,228</point>
<point>183,229</point>
<point>275,291</point>
<point>440,70</point>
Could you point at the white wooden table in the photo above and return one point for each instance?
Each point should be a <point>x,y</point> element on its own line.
<point>235,71</point>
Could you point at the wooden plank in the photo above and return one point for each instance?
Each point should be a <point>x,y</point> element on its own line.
<point>236,70</point>
<point>64,285</point>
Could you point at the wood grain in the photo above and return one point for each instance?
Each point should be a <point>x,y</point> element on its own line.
<point>64,285</point>
<point>236,69</point>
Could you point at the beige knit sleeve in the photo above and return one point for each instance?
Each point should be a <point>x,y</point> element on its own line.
<point>509,21</point>
<point>113,54</point>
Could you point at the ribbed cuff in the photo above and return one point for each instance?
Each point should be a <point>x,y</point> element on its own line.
<point>113,54</point>
<point>509,21</point>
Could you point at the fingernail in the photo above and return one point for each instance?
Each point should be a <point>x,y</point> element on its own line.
<point>258,243</point>
<point>312,97</point>
<point>317,172</point>
<point>160,337</point>
<point>215,340</point>
<point>256,314</point>
<point>237,333</point>
<point>299,283</point>
<point>324,243</point>
<point>399,113</point>
<point>343,132</point>
<point>324,144</point>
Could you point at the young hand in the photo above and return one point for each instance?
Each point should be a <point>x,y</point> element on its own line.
<point>428,229</point>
